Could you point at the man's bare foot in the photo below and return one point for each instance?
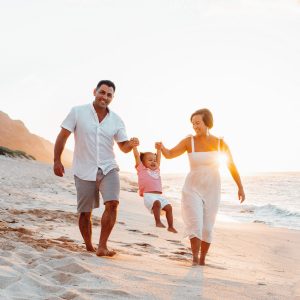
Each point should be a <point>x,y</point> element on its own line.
<point>90,248</point>
<point>105,252</point>
<point>172,229</point>
<point>161,225</point>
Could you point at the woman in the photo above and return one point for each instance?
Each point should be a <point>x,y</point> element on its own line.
<point>202,188</point>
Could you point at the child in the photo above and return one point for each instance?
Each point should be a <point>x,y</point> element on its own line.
<point>150,187</point>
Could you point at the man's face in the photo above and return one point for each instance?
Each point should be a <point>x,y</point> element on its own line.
<point>103,96</point>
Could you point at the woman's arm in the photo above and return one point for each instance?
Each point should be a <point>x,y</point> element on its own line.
<point>174,152</point>
<point>234,172</point>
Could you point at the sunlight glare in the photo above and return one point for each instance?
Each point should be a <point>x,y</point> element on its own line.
<point>223,159</point>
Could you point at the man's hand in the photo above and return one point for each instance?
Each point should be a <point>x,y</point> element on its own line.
<point>58,169</point>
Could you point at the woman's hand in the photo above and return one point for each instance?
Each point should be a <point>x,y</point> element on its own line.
<point>241,195</point>
<point>158,145</point>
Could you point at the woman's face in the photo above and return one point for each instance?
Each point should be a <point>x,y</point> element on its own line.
<point>198,124</point>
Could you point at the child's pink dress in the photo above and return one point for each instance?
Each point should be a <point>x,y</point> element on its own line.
<point>150,181</point>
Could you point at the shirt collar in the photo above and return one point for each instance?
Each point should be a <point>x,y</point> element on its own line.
<point>95,113</point>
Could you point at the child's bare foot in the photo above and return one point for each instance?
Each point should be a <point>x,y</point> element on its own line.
<point>105,252</point>
<point>172,229</point>
<point>160,224</point>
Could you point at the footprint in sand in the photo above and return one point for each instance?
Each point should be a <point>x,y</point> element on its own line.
<point>73,268</point>
<point>64,278</point>
<point>147,248</point>
<point>175,242</point>
<point>183,249</point>
<point>144,245</point>
<point>182,253</point>
<point>129,252</point>
<point>64,239</point>
<point>150,234</point>
<point>134,230</point>
<point>176,257</point>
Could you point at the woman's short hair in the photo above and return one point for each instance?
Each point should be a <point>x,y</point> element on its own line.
<point>207,116</point>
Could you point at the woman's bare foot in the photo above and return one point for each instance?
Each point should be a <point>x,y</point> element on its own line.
<point>195,261</point>
<point>202,261</point>
<point>160,224</point>
<point>172,229</point>
<point>105,252</point>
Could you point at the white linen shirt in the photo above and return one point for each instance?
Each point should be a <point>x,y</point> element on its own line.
<point>94,141</point>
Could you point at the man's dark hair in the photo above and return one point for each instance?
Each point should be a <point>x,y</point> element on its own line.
<point>106,82</point>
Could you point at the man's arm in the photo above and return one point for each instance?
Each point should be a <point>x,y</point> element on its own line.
<point>127,146</point>
<point>59,146</point>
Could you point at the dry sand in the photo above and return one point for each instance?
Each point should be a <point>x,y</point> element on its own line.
<point>42,255</point>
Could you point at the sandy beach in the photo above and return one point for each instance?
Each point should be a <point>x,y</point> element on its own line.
<point>42,255</point>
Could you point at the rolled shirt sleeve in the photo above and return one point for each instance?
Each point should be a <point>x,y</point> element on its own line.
<point>69,122</point>
<point>121,135</point>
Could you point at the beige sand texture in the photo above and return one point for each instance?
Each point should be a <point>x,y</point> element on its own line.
<point>42,255</point>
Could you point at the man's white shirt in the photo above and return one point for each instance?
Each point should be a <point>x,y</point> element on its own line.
<point>94,141</point>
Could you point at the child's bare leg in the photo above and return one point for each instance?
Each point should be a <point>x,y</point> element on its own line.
<point>204,250</point>
<point>195,246</point>
<point>156,213</point>
<point>169,216</point>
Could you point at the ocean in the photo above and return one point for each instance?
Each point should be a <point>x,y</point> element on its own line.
<point>271,198</point>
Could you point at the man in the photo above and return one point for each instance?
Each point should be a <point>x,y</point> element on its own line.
<point>95,128</point>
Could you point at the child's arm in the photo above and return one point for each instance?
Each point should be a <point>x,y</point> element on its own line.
<point>134,142</point>
<point>136,156</point>
<point>158,153</point>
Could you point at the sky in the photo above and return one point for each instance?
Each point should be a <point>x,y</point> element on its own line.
<point>168,58</point>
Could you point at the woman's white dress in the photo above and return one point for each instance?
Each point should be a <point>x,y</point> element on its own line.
<point>201,194</point>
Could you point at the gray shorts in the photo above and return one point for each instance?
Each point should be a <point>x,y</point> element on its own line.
<point>88,191</point>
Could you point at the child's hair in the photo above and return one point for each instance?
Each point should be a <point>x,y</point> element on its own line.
<point>143,155</point>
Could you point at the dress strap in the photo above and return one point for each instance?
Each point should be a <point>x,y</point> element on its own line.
<point>219,143</point>
<point>192,143</point>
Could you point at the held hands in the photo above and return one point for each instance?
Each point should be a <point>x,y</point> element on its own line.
<point>134,142</point>
<point>158,145</point>
<point>58,169</point>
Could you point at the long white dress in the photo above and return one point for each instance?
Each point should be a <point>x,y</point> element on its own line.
<point>201,194</point>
